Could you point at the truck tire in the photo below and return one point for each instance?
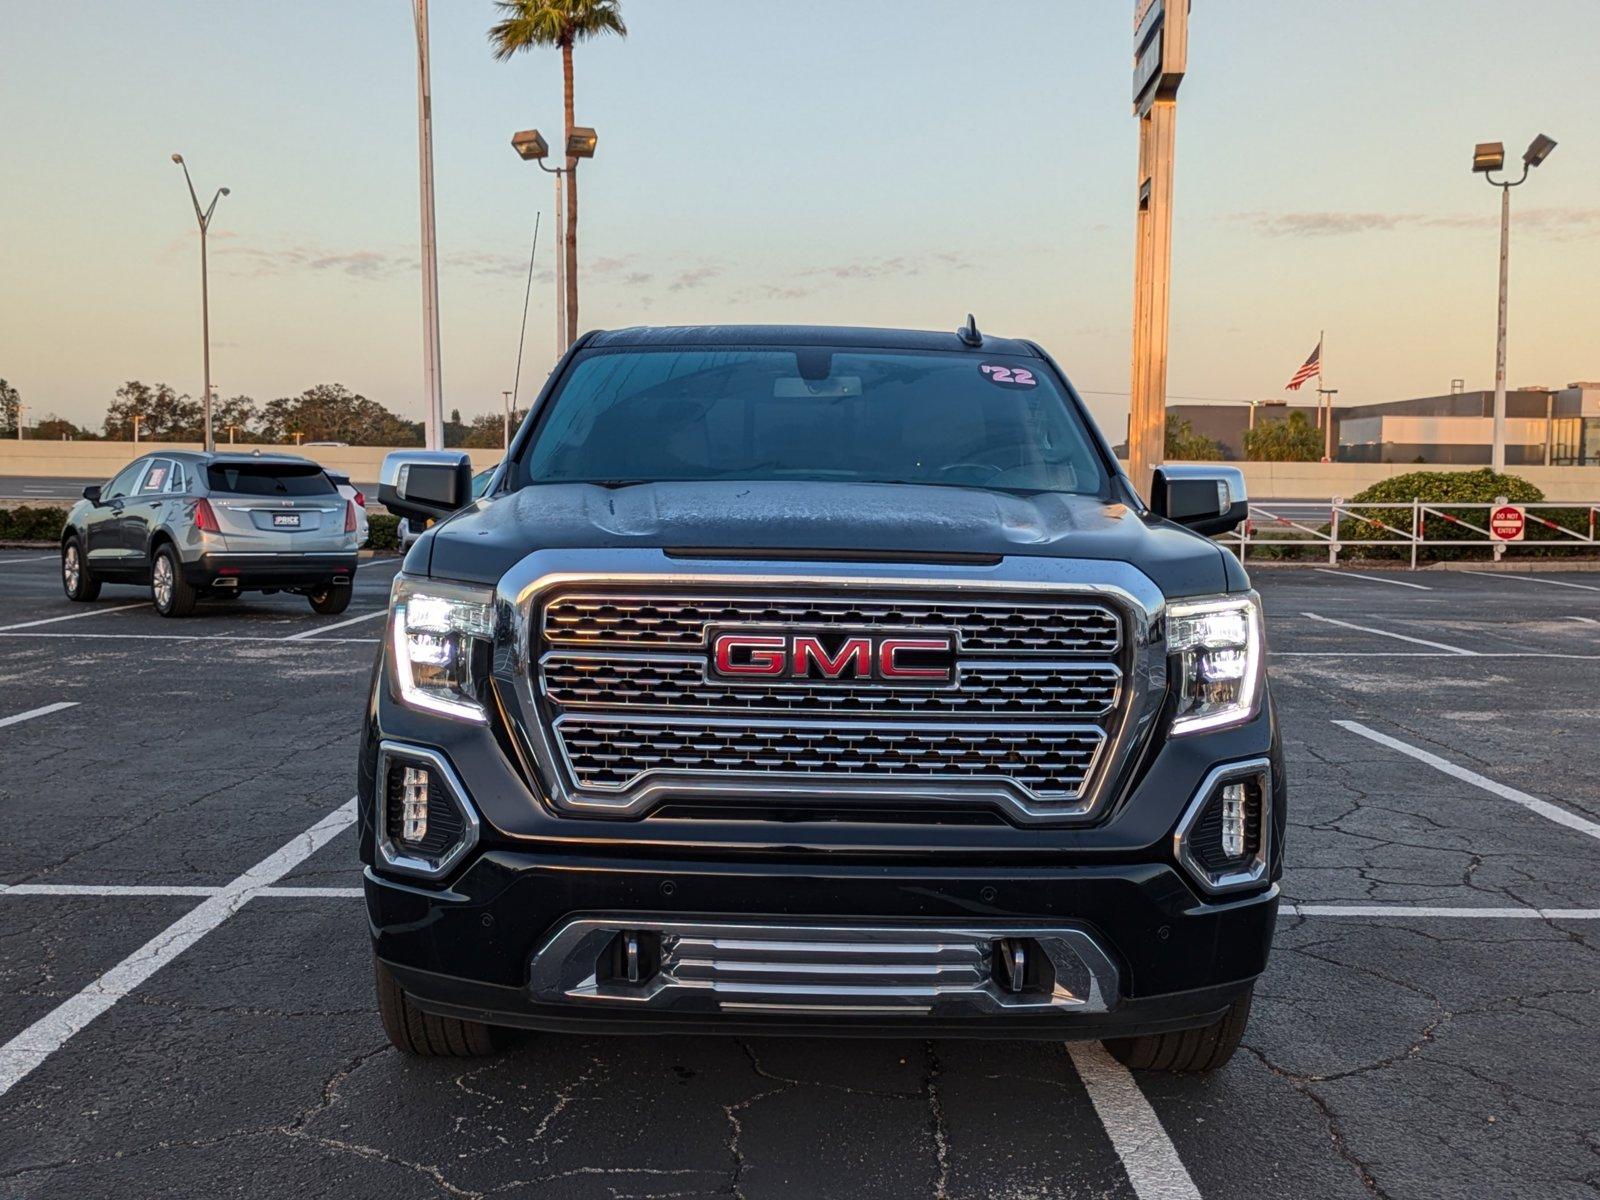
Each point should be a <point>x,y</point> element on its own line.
<point>168,588</point>
<point>1186,1050</point>
<point>331,598</point>
<point>75,578</point>
<point>412,1031</point>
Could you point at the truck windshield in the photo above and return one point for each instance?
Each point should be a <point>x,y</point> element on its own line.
<point>928,417</point>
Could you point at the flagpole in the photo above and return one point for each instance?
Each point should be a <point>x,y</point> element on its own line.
<point>1327,420</point>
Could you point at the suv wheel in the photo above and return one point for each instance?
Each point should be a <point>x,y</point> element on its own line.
<point>172,593</point>
<point>412,1031</point>
<point>75,579</point>
<point>1187,1050</point>
<point>331,598</point>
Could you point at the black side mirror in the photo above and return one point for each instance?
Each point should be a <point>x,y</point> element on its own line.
<point>92,493</point>
<point>1205,498</point>
<point>425,485</point>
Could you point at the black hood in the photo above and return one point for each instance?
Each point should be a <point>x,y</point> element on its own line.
<point>854,520</point>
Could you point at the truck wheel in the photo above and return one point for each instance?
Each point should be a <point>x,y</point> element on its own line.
<point>75,579</point>
<point>171,592</point>
<point>412,1031</point>
<point>331,598</point>
<point>1186,1050</point>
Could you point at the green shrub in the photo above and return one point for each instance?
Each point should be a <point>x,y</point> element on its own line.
<point>1439,488</point>
<point>382,532</point>
<point>26,524</point>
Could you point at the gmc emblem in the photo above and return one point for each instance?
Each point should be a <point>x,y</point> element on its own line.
<point>922,658</point>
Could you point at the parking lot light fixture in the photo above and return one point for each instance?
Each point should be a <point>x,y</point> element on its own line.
<point>581,142</point>
<point>203,218</point>
<point>530,145</point>
<point>1487,158</point>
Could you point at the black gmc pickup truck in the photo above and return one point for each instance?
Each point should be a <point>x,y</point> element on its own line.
<point>819,681</point>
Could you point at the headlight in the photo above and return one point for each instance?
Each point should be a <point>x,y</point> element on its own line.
<point>1217,645</point>
<point>440,633</point>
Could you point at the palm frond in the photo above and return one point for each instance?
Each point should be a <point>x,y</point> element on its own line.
<point>525,24</point>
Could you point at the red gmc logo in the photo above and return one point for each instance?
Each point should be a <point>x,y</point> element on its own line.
<point>823,655</point>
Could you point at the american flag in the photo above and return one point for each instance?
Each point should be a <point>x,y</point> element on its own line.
<point>1312,366</point>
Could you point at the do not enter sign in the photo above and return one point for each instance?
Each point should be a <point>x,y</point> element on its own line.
<point>1506,523</point>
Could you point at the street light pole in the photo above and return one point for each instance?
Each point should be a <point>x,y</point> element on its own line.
<point>1487,158</point>
<point>531,147</point>
<point>431,367</point>
<point>204,220</point>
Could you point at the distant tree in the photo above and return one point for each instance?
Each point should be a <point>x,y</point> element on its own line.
<point>163,414</point>
<point>1294,440</point>
<point>54,429</point>
<point>562,24</point>
<point>487,432</point>
<point>236,420</point>
<point>1184,443</point>
<point>330,412</point>
<point>10,409</point>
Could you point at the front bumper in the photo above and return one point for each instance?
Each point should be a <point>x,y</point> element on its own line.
<point>253,571</point>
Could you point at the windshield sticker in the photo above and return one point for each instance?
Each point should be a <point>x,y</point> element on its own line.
<point>1012,376</point>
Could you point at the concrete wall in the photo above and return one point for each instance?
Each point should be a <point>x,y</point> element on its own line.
<point>102,460</point>
<point>1267,481</point>
<point>1324,481</point>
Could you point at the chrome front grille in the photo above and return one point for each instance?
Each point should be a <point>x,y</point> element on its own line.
<point>1050,761</point>
<point>634,716</point>
<point>992,626</point>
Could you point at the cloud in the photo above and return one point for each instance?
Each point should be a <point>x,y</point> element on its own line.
<point>1560,222</point>
<point>637,278</point>
<point>896,265</point>
<point>693,277</point>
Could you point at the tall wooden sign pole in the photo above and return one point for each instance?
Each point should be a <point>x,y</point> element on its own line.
<point>1160,53</point>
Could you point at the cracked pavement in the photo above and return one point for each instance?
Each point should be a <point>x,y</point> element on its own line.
<point>1394,1057</point>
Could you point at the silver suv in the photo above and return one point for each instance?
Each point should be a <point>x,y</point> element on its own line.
<point>192,525</point>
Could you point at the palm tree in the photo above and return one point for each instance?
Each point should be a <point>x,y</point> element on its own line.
<point>529,23</point>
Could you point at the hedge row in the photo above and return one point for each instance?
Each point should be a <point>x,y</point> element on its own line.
<point>27,524</point>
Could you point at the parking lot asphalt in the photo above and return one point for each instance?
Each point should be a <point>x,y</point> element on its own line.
<point>188,1003</point>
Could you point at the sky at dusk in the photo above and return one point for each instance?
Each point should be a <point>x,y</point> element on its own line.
<point>893,163</point>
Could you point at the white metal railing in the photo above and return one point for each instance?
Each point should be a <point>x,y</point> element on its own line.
<point>1318,523</point>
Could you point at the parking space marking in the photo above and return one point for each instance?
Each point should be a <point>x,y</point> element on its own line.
<point>1147,1153</point>
<point>1426,654</point>
<point>315,893</point>
<point>1429,910</point>
<point>49,1033</point>
<point>190,637</point>
<point>104,889</point>
<point>93,612</point>
<point>1371,578</point>
<point>1386,633</point>
<point>1533,804</point>
<point>19,718</point>
<point>1585,620</point>
<point>41,558</point>
<point>1586,587</point>
<point>311,633</point>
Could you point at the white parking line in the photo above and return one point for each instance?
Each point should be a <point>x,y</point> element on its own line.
<point>36,558</point>
<point>1544,808</point>
<point>1402,654</point>
<point>1585,620</point>
<point>104,889</point>
<point>1586,587</point>
<point>49,1033</point>
<point>1386,633</point>
<point>311,633</point>
<point>93,612</point>
<point>1147,1153</point>
<point>37,712</point>
<point>1371,578</point>
<point>190,637</point>
<point>1426,910</point>
<point>316,893</point>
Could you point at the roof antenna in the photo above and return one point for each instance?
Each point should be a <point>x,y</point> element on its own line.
<point>969,334</point>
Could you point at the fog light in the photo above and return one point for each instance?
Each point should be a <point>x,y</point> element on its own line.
<point>414,805</point>
<point>1233,820</point>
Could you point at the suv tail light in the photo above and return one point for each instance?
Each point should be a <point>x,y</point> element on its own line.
<point>361,500</point>
<point>350,515</point>
<point>204,519</point>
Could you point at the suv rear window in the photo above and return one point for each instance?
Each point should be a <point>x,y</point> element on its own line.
<point>866,416</point>
<point>268,479</point>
